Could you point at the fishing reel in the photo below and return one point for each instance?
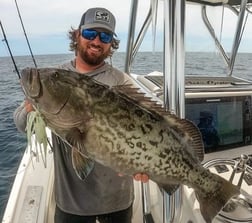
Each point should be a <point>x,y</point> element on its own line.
<point>238,172</point>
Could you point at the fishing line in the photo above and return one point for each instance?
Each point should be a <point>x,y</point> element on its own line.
<point>28,43</point>
<point>6,41</point>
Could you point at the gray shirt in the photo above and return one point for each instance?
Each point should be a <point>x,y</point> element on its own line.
<point>103,191</point>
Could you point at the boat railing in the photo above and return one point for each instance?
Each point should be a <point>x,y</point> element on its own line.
<point>173,59</point>
<point>241,22</point>
<point>173,69</point>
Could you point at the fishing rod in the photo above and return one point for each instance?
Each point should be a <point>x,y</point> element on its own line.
<point>6,41</point>
<point>28,43</point>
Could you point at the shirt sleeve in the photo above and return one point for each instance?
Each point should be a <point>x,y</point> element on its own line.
<point>20,117</point>
<point>125,79</point>
<point>129,80</point>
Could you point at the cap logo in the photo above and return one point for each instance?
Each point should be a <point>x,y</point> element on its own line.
<point>102,16</point>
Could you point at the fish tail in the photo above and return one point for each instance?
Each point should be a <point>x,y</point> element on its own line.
<point>211,205</point>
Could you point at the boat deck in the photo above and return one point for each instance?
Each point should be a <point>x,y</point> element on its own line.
<point>33,188</point>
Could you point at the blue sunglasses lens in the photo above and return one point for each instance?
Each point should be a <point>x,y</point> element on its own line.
<point>91,34</point>
<point>106,37</point>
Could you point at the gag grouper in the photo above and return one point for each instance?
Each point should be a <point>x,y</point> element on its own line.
<point>121,128</point>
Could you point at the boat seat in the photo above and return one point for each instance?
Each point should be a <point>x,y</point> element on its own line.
<point>31,204</point>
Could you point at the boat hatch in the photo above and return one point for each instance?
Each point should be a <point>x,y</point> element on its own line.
<point>30,208</point>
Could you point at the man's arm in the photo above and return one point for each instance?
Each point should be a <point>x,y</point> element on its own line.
<point>20,115</point>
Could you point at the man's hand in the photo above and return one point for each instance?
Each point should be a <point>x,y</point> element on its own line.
<point>144,178</point>
<point>28,106</point>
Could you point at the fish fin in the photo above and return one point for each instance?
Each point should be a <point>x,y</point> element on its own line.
<point>189,133</point>
<point>195,138</point>
<point>132,93</point>
<point>81,164</point>
<point>169,188</point>
<point>211,205</point>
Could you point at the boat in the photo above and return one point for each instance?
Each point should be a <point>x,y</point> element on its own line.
<point>225,101</point>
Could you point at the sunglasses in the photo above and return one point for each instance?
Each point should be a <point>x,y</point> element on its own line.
<point>91,34</point>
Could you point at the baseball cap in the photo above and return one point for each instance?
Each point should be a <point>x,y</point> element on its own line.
<point>98,18</point>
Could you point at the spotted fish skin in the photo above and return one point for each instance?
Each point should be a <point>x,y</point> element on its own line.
<point>121,128</point>
<point>131,139</point>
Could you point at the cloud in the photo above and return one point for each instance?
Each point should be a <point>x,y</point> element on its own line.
<point>46,16</point>
<point>47,22</point>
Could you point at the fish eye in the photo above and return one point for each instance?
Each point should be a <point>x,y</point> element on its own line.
<point>56,74</point>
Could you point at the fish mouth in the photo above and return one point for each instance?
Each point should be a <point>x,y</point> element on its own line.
<point>30,83</point>
<point>37,93</point>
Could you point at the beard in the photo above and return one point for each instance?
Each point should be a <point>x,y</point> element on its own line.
<point>90,58</point>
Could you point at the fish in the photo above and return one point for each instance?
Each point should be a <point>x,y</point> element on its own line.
<point>122,128</point>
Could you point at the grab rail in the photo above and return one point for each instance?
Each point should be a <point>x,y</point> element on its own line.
<point>238,33</point>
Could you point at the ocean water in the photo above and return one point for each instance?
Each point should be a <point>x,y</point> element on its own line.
<point>13,143</point>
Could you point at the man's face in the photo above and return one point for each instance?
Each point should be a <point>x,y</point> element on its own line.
<point>93,52</point>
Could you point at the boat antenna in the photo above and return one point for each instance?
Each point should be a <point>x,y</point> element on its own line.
<point>25,34</point>
<point>6,41</point>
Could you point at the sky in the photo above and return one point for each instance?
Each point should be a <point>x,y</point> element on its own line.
<point>47,23</point>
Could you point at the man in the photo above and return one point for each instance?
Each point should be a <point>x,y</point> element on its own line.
<point>104,195</point>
